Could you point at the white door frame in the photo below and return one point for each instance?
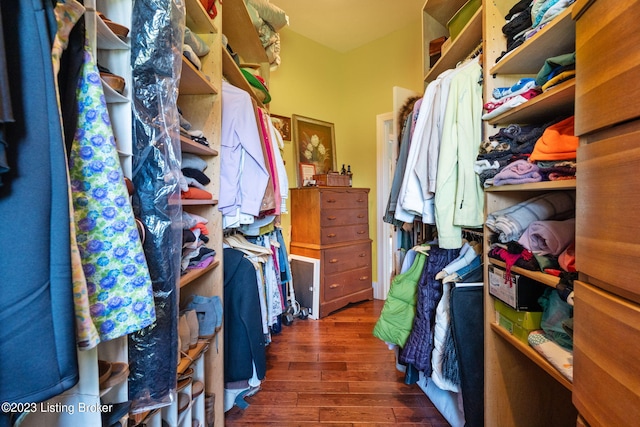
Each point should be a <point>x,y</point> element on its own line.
<point>387,131</point>
<point>385,235</point>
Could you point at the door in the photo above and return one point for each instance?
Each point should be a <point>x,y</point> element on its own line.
<point>387,131</point>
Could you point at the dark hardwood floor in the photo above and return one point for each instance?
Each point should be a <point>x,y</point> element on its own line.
<point>334,371</point>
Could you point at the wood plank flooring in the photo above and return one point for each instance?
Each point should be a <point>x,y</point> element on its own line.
<point>334,371</point>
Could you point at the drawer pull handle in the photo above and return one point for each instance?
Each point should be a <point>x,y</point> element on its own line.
<point>363,254</point>
<point>331,235</point>
<point>364,277</point>
<point>360,216</point>
<point>331,218</point>
<point>361,232</point>
<point>333,286</point>
<point>360,200</point>
<point>331,200</point>
<point>333,261</point>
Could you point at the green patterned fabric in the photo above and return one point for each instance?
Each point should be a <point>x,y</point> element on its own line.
<point>113,260</point>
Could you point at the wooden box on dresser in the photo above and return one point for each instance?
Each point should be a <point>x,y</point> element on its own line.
<point>607,297</point>
<point>331,224</point>
<point>521,387</point>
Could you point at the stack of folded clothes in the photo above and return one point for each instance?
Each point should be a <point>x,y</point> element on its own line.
<point>195,236</point>
<point>194,179</point>
<point>506,98</point>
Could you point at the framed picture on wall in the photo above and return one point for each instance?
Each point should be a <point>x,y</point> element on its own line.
<point>314,142</point>
<point>282,125</point>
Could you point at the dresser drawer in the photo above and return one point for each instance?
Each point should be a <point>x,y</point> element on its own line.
<point>608,60</point>
<point>345,258</point>
<point>606,377</point>
<point>607,206</point>
<point>341,284</point>
<point>330,235</point>
<point>336,217</point>
<point>331,199</point>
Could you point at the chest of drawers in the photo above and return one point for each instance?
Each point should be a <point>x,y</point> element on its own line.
<point>332,224</point>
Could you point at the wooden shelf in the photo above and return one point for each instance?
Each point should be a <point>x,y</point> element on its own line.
<point>193,82</point>
<point>567,184</point>
<point>198,19</point>
<point>556,102</point>
<point>461,46</point>
<point>556,38</point>
<point>193,355</point>
<point>442,10</point>
<point>241,33</point>
<point>234,76</point>
<point>533,355</point>
<point>198,202</point>
<point>189,146</point>
<point>538,276</point>
<point>192,275</point>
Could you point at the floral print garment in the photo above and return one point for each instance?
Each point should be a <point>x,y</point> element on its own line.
<point>87,337</point>
<point>114,264</point>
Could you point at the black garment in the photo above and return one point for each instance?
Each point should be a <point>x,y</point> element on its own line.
<point>244,343</point>
<point>197,175</point>
<point>70,67</point>
<point>156,43</point>
<point>468,338</point>
<point>37,337</point>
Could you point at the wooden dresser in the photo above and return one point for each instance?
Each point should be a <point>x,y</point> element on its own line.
<point>332,224</point>
<point>606,385</point>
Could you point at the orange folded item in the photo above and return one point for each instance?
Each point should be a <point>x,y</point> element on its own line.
<point>196,193</point>
<point>558,142</point>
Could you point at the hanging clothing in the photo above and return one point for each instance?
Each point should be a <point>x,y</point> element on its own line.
<point>243,338</point>
<point>156,62</point>
<point>419,345</point>
<point>396,319</point>
<point>36,308</point>
<point>114,263</point>
<point>243,173</point>
<point>459,199</point>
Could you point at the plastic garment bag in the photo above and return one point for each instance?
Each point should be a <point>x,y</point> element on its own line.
<point>156,46</point>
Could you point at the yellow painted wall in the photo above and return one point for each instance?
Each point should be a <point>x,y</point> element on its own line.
<point>350,90</point>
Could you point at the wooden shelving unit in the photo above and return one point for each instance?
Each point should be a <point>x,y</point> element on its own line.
<point>189,146</point>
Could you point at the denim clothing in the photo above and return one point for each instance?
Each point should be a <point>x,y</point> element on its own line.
<point>37,338</point>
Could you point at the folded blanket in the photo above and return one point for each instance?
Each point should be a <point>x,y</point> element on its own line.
<point>518,172</point>
<point>511,222</point>
<point>559,357</point>
<point>549,237</point>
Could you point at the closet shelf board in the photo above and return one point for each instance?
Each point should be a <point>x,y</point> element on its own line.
<point>533,355</point>
<point>556,102</point>
<point>567,184</point>
<point>538,276</point>
<point>243,36</point>
<point>442,10</point>
<point>192,275</point>
<point>193,82</point>
<point>463,45</point>
<point>198,19</point>
<point>558,37</point>
<point>195,202</point>
<point>189,146</point>
<point>234,76</point>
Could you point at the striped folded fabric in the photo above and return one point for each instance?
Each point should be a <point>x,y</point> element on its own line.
<point>511,222</point>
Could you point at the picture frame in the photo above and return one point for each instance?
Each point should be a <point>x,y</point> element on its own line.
<point>282,125</point>
<point>315,144</point>
<point>306,171</point>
